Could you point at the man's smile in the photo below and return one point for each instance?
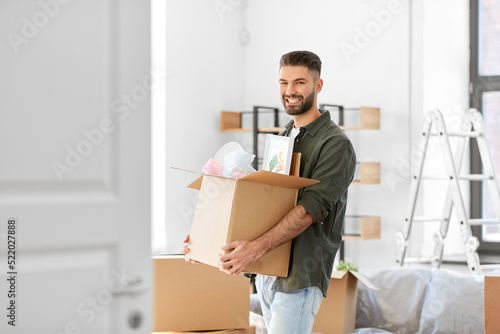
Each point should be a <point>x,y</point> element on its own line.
<point>292,101</point>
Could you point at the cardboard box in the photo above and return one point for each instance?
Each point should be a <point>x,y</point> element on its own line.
<point>250,330</point>
<point>492,302</point>
<point>337,313</point>
<point>195,297</point>
<point>243,209</point>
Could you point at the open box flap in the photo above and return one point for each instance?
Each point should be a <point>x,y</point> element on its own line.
<point>363,279</point>
<point>279,180</point>
<point>196,184</point>
<point>338,274</point>
<point>265,177</point>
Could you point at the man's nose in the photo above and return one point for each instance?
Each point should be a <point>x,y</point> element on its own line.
<point>291,89</point>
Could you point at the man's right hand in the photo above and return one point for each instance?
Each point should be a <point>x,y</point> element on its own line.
<point>185,250</point>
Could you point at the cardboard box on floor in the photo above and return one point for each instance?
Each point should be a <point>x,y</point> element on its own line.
<point>197,297</point>
<point>337,313</point>
<point>492,302</point>
<point>243,209</point>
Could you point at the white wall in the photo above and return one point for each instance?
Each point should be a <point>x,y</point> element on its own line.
<point>398,65</point>
<point>376,74</point>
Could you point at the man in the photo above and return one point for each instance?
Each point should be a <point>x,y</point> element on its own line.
<point>314,225</point>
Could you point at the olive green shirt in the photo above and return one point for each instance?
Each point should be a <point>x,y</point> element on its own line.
<point>327,155</point>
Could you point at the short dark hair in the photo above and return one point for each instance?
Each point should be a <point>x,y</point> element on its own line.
<point>302,58</point>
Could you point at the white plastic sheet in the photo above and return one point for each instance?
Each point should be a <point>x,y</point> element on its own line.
<point>413,300</point>
<point>421,301</point>
<point>454,304</point>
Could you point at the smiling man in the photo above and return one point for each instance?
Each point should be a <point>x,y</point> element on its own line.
<point>314,225</point>
<point>295,81</point>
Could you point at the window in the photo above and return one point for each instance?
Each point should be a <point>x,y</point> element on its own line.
<point>485,96</point>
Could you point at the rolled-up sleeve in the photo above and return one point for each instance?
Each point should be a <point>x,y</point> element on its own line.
<point>334,168</point>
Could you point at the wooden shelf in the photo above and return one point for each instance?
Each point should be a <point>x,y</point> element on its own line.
<point>369,173</point>
<point>369,120</point>
<point>230,121</point>
<point>370,229</point>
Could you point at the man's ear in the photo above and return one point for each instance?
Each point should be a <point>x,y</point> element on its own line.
<point>319,85</point>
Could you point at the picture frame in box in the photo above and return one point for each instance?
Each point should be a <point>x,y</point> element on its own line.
<point>277,154</point>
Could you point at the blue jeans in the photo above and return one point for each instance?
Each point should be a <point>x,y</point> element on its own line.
<point>290,312</point>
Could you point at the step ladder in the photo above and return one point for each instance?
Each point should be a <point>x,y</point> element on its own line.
<point>471,126</point>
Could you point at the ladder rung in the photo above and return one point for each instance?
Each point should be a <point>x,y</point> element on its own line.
<point>472,222</point>
<point>483,221</point>
<point>490,266</point>
<point>429,219</point>
<point>475,177</point>
<point>430,177</point>
<point>460,134</point>
<point>465,134</point>
<point>419,260</point>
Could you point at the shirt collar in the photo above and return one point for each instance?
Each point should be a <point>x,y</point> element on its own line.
<point>313,127</point>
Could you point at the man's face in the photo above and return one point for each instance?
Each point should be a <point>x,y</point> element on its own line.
<point>297,89</point>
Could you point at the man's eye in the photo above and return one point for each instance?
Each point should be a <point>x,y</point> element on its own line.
<point>301,82</point>
<point>282,83</point>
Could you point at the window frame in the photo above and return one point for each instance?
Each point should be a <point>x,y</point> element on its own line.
<point>478,85</point>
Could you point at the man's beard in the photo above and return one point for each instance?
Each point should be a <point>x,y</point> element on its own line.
<point>298,109</point>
